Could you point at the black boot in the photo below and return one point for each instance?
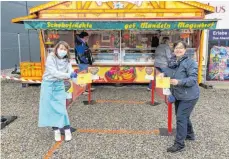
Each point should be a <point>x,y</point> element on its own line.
<point>175,148</point>
<point>190,138</point>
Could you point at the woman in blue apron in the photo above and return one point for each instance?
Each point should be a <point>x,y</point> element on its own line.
<point>52,109</point>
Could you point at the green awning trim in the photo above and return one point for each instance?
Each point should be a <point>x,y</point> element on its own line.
<point>120,25</point>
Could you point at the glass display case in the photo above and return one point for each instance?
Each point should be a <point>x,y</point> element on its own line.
<point>137,56</point>
<point>121,47</point>
<point>105,47</point>
<point>106,56</point>
<point>136,48</point>
<point>127,48</point>
<point>109,47</point>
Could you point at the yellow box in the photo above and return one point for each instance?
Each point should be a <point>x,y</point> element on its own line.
<point>31,70</point>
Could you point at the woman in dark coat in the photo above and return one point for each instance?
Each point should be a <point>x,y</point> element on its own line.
<point>183,72</point>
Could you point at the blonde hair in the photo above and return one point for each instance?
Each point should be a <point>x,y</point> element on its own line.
<point>65,45</point>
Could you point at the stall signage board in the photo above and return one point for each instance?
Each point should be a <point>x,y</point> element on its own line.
<point>219,34</point>
<point>119,25</point>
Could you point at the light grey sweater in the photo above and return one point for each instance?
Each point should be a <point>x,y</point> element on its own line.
<point>57,69</point>
<point>162,55</point>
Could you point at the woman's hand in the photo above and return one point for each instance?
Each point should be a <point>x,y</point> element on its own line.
<point>174,82</point>
<point>161,75</point>
<point>83,85</point>
<point>73,75</point>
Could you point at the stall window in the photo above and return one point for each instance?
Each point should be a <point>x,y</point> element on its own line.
<point>105,46</point>
<point>52,37</point>
<point>137,47</point>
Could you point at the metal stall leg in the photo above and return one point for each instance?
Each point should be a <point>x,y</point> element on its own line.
<point>89,102</point>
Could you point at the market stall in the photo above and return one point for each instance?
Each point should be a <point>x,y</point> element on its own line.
<point>121,34</point>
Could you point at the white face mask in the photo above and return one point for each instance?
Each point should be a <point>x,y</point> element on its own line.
<point>61,53</point>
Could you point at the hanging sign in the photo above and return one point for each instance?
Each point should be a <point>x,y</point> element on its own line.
<point>219,34</point>
<point>119,25</point>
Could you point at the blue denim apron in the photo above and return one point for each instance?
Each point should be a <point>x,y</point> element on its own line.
<point>52,108</point>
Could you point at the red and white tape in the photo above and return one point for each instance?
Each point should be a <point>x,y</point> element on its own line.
<point>19,79</point>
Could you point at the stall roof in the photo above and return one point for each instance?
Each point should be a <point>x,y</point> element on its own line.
<point>100,10</point>
<point>44,6</point>
<point>20,19</point>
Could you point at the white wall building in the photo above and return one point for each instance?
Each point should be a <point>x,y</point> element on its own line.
<point>221,12</point>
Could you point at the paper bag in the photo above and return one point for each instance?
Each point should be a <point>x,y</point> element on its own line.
<point>166,91</point>
<point>149,77</point>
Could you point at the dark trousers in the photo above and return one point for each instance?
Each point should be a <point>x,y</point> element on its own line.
<point>184,127</point>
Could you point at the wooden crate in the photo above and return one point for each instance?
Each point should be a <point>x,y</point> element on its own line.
<point>31,70</point>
